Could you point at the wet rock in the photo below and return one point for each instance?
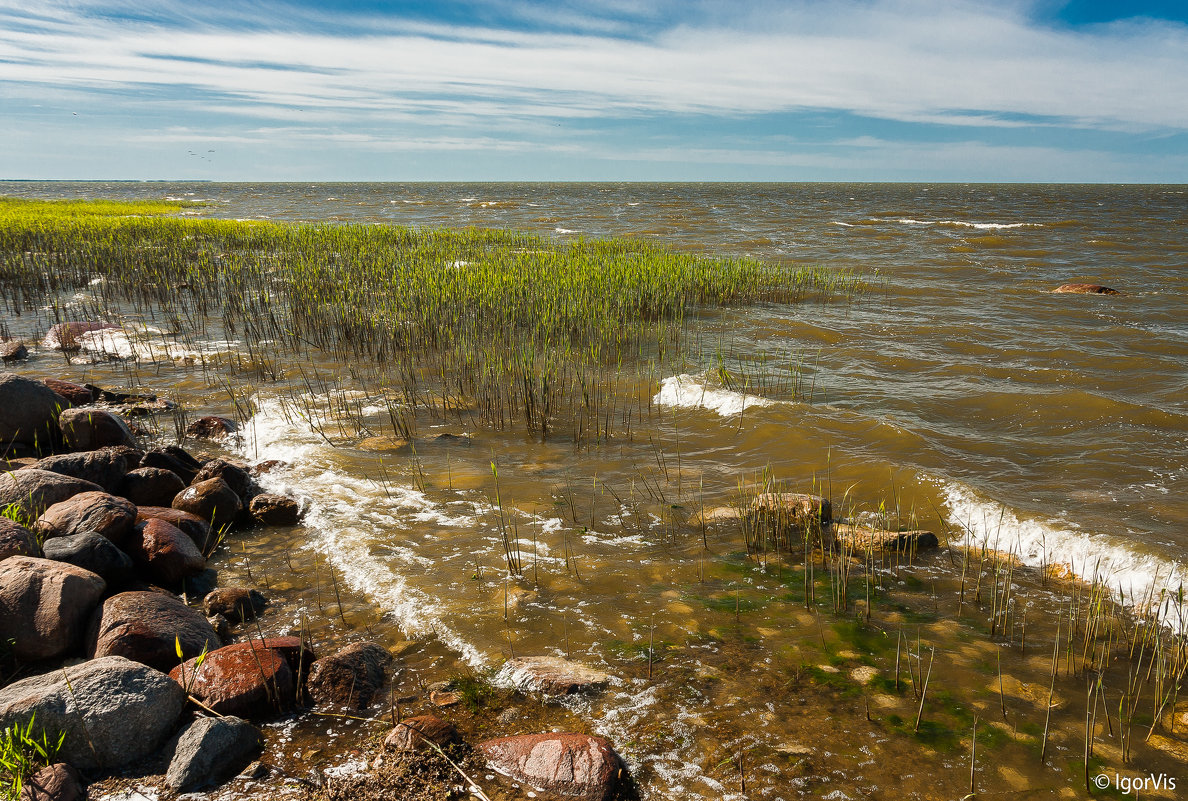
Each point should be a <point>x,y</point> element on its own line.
<point>349,677</point>
<point>57,782</point>
<point>201,584</point>
<point>267,466</point>
<point>792,513</point>
<point>33,491</point>
<point>246,679</point>
<point>221,626</point>
<point>237,604</point>
<point>92,552</point>
<point>210,751</point>
<point>30,411</point>
<point>444,698</point>
<point>89,512</point>
<point>44,605</point>
<point>142,626</point>
<point>412,734</point>
<point>127,710</point>
<point>236,476</point>
<point>13,351</point>
<point>143,408</point>
<point>275,510</point>
<point>104,466</point>
<point>151,486</point>
<point>65,336</point>
<point>211,500</point>
<point>552,675</point>
<point>295,652</point>
<point>860,538</point>
<point>173,458</point>
<point>569,765</point>
<point>211,427</point>
<point>77,394</point>
<point>165,553</point>
<point>197,529</point>
<point>16,540</point>
<point>1085,289</point>
<point>87,428</point>
<point>383,444</point>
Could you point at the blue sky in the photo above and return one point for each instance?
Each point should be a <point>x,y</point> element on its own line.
<point>799,90</point>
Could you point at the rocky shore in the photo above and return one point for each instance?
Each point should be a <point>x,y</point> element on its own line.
<point>118,638</point>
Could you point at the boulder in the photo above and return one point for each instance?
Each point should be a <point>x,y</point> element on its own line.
<point>197,529</point>
<point>92,552</point>
<point>65,336</point>
<point>211,750</point>
<point>104,466</point>
<point>44,605</point>
<point>87,428</point>
<point>33,491</point>
<point>564,764</point>
<point>295,652</point>
<point>147,627</point>
<point>57,782</point>
<point>13,351</point>
<point>89,512</point>
<point>350,676</point>
<point>267,466</point>
<point>77,395</point>
<point>126,710</point>
<point>236,476</point>
<point>173,458</point>
<point>211,427</point>
<point>275,510</point>
<point>165,553</point>
<point>415,734</point>
<point>211,500</point>
<point>245,679</point>
<point>716,515</point>
<point>237,604</point>
<point>151,486</point>
<point>16,540</point>
<point>862,539</point>
<point>1085,289</point>
<point>31,411</point>
<point>201,584</point>
<point>552,675</point>
<point>789,514</point>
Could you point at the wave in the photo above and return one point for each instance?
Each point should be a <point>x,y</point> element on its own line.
<point>963,224</point>
<point>1144,582</point>
<point>691,392</point>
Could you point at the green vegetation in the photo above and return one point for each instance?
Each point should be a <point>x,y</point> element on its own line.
<point>523,330</point>
<point>22,755</point>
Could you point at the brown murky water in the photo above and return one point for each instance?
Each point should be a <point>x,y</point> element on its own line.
<point>958,395</point>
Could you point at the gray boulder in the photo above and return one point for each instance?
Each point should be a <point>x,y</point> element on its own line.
<point>30,411</point>
<point>114,711</point>
<point>85,429</point>
<point>211,750</point>
<point>92,552</point>
<point>44,605</point>
<point>34,491</point>
<point>105,466</point>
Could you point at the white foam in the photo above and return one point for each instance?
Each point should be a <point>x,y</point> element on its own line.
<point>564,230</point>
<point>691,392</point>
<point>963,224</point>
<point>842,224</point>
<point>146,344</point>
<point>1135,578</point>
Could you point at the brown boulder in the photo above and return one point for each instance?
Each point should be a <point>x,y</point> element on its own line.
<point>861,539</point>
<point>16,540</point>
<point>236,476</point>
<point>104,466</point>
<point>275,510</point>
<point>565,764</point>
<point>415,734</point>
<point>165,553</point>
<point>1085,289</point>
<point>13,351</point>
<point>211,500</point>
<point>146,627</point>
<point>33,491</point>
<point>64,336</point>
<point>89,512</point>
<point>237,604</point>
<point>197,529</point>
<point>151,486</point>
<point>44,605</point>
<point>76,394</point>
<point>31,412</point>
<point>247,680</point>
<point>173,458</point>
<point>788,514</point>
<point>87,428</point>
<point>349,677</point>
<point>211,427</point>
<point>57,782</point>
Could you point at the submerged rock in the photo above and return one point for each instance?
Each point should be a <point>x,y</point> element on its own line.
<point>1085,289</point>
<point>552,675</point>
<point>383,444</point>
<point>415,734</point>
<point>565,764</point>
<point>859,538</point>
<point>44,605</point>
<point>13,351</point>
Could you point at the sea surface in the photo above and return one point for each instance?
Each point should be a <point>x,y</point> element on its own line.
<point>956,390</point>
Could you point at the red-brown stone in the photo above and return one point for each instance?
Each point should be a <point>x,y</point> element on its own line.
<point>565,764</point>
<point>247,680</point>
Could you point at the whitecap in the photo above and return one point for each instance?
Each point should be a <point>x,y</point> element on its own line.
<point>691,392</point>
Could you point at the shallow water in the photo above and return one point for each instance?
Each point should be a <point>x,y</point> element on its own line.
<point>957,395</point>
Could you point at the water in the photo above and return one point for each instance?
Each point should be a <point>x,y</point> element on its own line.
<point>959,392</point>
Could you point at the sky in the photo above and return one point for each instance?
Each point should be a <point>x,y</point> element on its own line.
<point>557,90</point>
